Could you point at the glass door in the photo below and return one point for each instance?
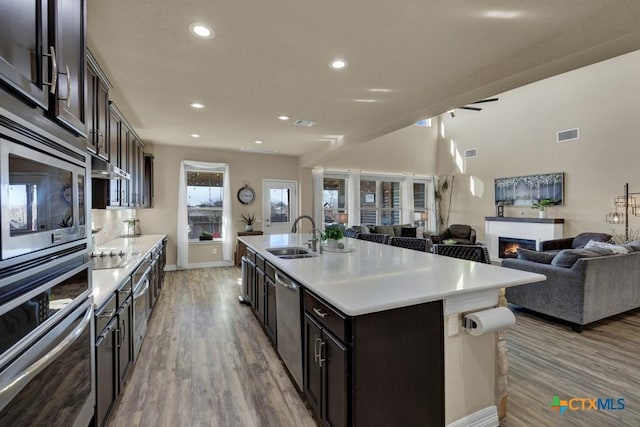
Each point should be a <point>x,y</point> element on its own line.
<point>280,205</point>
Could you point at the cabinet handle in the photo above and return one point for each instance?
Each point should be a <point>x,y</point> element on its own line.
<point>108,314</point>
<point>320,359</point>
<point>68,87</point>
<point>320,312</point>
<point>68,98</point>
<point>118,340</point>
<point>54,70</point>
<point>316,354</point>
<point>124,332</point>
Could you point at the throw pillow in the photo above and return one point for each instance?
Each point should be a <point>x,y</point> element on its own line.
<point>535,256</point>
<point>616,249</point>
<point>408,232</point>
<point>397,229</point>
<point>385,229</point>
<point>567,257</point>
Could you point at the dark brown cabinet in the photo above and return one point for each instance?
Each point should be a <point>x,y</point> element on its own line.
<point>24,46</point>
<point>270,318</point>
<point>325,371</point>
<point>147,183</point>
<point>97,108</point>
<point>376,369</point>
<point>125,344</point>
<point>106,360</point>
<point>259,304</point>
<point>68,35</point>
<point>42,56</point>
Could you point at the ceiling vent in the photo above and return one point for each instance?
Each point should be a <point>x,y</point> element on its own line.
<point>472,152</point>
<point>568,135</point>
<point>305,123</point>
<point>258,150</point>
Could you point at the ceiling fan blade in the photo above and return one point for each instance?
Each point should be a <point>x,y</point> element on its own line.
<point>485,100</point>
<point>471,108</point>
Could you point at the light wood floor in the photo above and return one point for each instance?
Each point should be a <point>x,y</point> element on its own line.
<point>206,362</point>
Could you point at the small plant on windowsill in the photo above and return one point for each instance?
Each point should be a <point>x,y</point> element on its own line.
<point>248,220</point>
<point>205,235</point>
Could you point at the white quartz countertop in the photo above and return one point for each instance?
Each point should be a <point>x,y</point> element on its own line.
<point>106,281</point>
<point>376,277</point>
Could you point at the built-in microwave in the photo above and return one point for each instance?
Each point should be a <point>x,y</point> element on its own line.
<point>42,196</point>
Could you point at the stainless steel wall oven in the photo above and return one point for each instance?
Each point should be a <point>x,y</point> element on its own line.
<point>46,346</point>
<point>46,312</point>
<point>43,185</point>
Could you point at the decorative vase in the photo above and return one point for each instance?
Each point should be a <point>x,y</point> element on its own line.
<point>542,214</point>
<point>248,227</point>
<point>332,243</point>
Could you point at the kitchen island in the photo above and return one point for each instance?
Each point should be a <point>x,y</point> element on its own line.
<point>406,358</point>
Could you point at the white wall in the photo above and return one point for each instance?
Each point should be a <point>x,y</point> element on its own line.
<point>517,136</point>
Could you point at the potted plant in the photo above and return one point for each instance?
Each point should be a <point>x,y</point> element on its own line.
<point>205,235</point>
<point>333,233</point>
<point>542,205</point>
<point>248,220</point>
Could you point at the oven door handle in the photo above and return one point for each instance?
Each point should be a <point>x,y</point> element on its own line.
<point>143,290</point>
<point>25,376</point>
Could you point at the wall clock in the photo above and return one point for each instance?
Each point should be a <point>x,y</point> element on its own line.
<point>246,195</point>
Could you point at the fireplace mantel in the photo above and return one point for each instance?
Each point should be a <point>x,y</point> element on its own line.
<point>538,229</point>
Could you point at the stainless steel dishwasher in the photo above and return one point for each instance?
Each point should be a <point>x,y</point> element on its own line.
<point>288,318</point>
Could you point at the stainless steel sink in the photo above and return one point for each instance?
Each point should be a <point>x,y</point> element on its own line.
<point>292,252</point>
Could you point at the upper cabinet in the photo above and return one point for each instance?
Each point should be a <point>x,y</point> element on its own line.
<point>97,108</point>
<point>42,56</point>
<point>25,52</point>
<point>68,35</point>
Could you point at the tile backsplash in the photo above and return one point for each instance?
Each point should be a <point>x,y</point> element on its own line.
<point>112,223</point>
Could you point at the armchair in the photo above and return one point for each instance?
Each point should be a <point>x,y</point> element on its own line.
<point>576,242</point>
<point>462,234</point>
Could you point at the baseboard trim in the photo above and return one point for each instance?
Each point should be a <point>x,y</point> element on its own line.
<point>195,266</point>
<point>487,417</point>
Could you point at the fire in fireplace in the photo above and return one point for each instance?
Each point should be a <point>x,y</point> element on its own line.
<point>508,246</point>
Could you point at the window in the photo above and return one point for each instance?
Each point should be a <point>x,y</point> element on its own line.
<point>205,203</point>
<point>420,202</point>
<point>334,198</point>
<point>380,201</point>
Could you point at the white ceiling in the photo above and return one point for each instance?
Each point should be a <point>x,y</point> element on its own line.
<point>272,57</point>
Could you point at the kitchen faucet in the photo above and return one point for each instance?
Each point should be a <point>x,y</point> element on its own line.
<point>314,238</point>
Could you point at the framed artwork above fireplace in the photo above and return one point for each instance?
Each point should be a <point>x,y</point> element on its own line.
<point>526,190</point>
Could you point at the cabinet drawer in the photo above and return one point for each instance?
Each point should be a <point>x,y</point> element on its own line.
<point>260,262</point>
<point>326,316</point>
<point>270,271</point>
<point>251,255</point>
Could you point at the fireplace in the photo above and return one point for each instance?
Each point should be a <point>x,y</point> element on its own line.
<point>507,246</point>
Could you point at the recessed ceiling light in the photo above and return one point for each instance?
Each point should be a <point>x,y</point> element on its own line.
<point>202,31</point>
<point>195,135</point>
<point>339,64</point>
<point>258,142</point>
<point>502,14</point>
<point>283,118</point>
<point>197,105</point>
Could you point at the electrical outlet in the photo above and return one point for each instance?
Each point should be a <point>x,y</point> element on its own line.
<point>214,251</point>
<point>453,325</point>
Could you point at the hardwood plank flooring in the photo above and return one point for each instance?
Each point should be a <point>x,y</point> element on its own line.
<point>206,362</point>
<point>547,359</point>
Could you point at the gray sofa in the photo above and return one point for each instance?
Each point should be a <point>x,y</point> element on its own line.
<point>593,288</point>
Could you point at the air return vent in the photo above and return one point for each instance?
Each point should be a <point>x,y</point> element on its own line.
<point>258,150</point>
<point>305,123</point>
<point>472,152</point>
<point>568,135</point>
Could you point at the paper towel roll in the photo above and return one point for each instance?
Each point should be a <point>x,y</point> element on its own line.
<point>489,321</point>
